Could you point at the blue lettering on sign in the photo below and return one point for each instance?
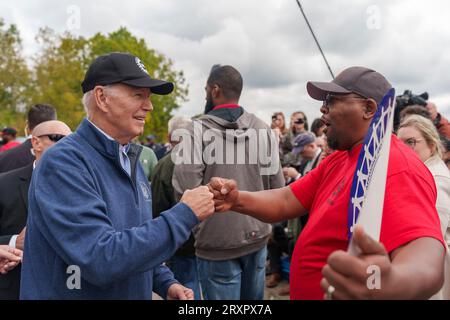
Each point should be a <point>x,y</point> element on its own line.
<point>368,157</point>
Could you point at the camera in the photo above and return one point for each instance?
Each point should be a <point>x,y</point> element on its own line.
<point>407,99</point>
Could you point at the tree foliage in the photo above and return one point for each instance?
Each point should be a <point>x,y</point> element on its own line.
<point>58,70</point>
<point>14,77</point>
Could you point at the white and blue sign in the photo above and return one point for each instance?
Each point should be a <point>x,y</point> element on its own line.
<point>369,181</point>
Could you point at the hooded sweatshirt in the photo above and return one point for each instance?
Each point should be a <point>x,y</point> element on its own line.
<point>233,144</point>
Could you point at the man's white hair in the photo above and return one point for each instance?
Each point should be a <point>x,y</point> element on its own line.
<point>88,98</point>
<point>87,101</point>
<point>179,122</point>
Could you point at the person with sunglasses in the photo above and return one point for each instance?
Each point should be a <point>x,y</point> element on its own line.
<point>409,255</point>
<point>14,187</point>
<point>22,155</point>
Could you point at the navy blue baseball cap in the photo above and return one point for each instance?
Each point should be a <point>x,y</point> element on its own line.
<point>120,67</point>
<point>302,140</point>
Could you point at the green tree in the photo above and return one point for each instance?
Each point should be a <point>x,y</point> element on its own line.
<point>14,78</point>
<point>58,71</point>
<point>60,68</point>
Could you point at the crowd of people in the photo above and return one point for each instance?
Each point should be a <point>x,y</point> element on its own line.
<point>95,214</point>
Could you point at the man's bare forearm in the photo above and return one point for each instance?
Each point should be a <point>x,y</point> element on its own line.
<point>269,205</point>
<point>421,276</point>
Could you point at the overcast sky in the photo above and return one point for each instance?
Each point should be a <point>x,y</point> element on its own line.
<point>268,42</point>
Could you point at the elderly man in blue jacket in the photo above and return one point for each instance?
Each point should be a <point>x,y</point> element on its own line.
<point>90,232</point>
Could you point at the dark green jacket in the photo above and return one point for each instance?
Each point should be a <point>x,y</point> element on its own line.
<point>163,197</point>
<point>148,161</point>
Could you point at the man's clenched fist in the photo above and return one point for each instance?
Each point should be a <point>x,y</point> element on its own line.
<point>200,200</point>
<point>225,193</point>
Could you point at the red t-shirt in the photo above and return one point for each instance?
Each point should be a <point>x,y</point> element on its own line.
<point>409,211</point>
<point>9,145</point>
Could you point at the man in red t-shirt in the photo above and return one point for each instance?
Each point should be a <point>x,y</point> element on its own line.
<point>410,252</point>
<point>9,139</point>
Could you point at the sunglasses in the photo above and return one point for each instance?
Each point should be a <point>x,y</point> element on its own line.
<point>53,137</point>
<point>299,121</point>
<point>332,97</point>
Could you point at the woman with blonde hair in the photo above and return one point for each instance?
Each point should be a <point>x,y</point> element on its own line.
<point>278,125</point>
<point>421,135</point>
<point>279,121</point>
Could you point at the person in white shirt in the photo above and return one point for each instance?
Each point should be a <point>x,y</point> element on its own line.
<point>421,135</point>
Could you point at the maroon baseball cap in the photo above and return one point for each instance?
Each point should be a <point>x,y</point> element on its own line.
<point>9,131</point>
<point>363,81</point>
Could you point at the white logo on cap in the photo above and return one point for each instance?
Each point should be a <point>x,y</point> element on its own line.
<point>140,64</point>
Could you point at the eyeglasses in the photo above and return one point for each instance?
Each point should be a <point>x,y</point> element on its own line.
<point>53,137</point>
<point>411,142</point>
<point>329,99</point>
<point>299,121</point>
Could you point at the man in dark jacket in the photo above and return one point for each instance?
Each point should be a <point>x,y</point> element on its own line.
<point>183,263</point>
<point>14,200</point>
<point>22,155</point>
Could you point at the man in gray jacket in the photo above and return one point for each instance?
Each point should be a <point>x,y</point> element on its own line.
<point>229,142</point>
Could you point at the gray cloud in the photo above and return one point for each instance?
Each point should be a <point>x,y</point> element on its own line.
<point>268,41</point>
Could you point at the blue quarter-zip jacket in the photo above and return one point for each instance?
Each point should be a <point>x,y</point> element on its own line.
<point>88,220</point>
